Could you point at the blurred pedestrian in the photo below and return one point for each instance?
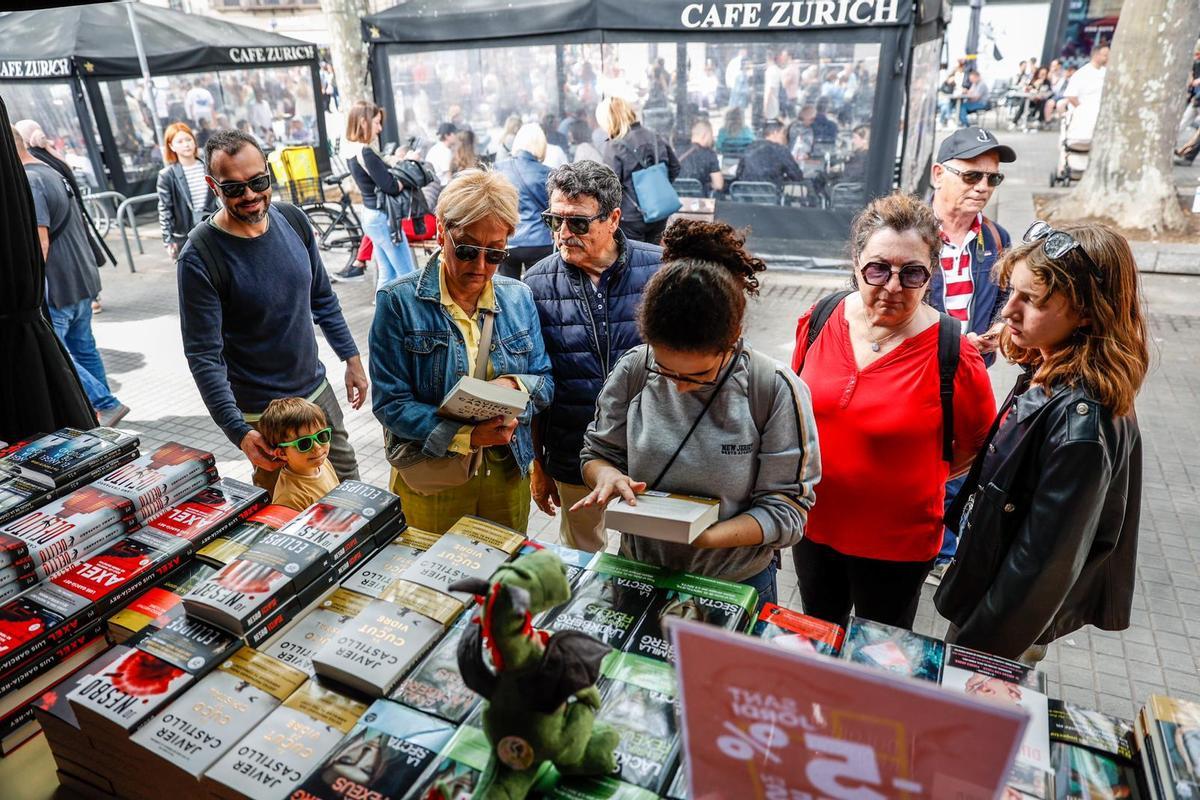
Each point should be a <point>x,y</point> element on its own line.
<point>700,161</point>
<point>587,294</point>
<point>875,360</point>
<point>630,148</point>
<point>184,197</point>
<point>72,279</point>
<point>1049,515</point>
<point>531,241</point>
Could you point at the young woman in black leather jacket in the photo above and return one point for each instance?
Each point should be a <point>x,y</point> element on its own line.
<point>1049,514</point>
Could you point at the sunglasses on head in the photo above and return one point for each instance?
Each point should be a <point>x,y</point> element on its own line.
<point>470,252</point>
<point>973,176</point>
<point>878,273</point>
<point>259,183</point>
<point>1056,244</point>
<point>577,225</point>
<point>306,443</point>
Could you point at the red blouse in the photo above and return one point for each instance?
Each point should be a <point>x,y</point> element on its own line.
<point>883,478</point>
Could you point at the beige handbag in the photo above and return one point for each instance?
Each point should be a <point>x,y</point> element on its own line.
<point>425,474</point>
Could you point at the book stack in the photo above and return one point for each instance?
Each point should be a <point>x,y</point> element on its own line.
<point>225,548</point>
<point>609,600</point>
<point>795,631</point>
<point>34,472</point>
<point>435,685</point>
<point>159,604</point>
<point>694,597</point>
<point>639,702</point>
<point>1168,733</point>
<point>893,649</point>
<point>296,644</point>
<point>1094,755</point>
<point>160,479</point>
<point>283,566</point>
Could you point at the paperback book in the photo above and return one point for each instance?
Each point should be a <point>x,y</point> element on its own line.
<point>439,607</point>
<point>60,457</point>
<point>795,631</point>
<point>608,601</point>
<point>893,649</point>
<point>639,702</point>
<point>382,570</point>
<point>292,741</point>
<point>474,400</point>
<point>238,595</point>
<point>452,558</point>
<point>605,788</point>
<point>436,686</point>
<point>1172,727</point>
<point>210,512</point>
<point>681,596</point>
<point>1094,755</point>
<point>382,758</point>
<point>302,561</point>
<point>344,518</point>
<point>576,561</point>
<point>659,515</point>
<point>24,683</point>
<point>161,478</point>
<point>52,708</point>
<point>237,540</point>
<point>296,645</point>
<point>62,526</point>
<point>458,769</point>
<point>489,533</point>
<point>374,650</point>
<point>105,577</point>
<point>215,713</point>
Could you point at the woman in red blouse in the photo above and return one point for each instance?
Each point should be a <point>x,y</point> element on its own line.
<point>873,372</point>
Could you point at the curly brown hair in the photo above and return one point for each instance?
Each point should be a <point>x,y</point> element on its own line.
<point>696,302</point>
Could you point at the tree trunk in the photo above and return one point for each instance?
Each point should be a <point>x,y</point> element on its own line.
<point>1129,178</point>
<point>348,49</point>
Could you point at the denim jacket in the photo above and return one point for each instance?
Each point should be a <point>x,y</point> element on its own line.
<point>417,355</point>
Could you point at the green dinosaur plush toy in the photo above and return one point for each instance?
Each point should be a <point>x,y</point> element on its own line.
<point>540,691</point>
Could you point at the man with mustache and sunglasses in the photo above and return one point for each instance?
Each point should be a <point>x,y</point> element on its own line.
<point>251,287</point>
<point>587,293</point>
<point>965,175</point>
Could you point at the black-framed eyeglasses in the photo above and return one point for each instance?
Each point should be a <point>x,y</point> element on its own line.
<point>973,176</point>
<point>577,225</point>
<point>1056,244</point>
<point>470,252</point>
<point>674,376</point>
<point>878,273</point>
<point>305,443</point>
<point>259,183</point>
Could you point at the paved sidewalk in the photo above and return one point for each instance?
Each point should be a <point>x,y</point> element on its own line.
<point>138,333</point>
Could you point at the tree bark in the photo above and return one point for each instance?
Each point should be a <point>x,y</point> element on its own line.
<point>348,49</point>
<point>1129,178</point>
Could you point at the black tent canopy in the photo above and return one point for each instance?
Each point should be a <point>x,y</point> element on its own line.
<point>86,46</point>
<point>867,67</point>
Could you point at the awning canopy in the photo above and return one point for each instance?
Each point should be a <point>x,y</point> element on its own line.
<point>428,21</point>
<point>96,40</point>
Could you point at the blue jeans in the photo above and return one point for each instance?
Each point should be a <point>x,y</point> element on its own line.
<point>966,107</point>
<point>73,324</point>
<point>764,582</point>
<point>391,260</point>
<point>949,537</point>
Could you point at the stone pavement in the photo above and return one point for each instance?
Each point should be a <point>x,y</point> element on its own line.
<point>138,333</point>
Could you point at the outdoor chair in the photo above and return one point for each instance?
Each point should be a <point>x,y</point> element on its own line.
<point>761,192</point>
<point>688,187</point>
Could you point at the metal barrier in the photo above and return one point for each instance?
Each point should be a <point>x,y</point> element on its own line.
<point>104,202</point>
<point>125,210</point>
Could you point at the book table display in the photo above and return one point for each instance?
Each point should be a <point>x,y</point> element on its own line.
<point>174,636</point>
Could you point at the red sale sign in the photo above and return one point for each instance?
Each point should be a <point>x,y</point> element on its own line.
<point>767,723</point>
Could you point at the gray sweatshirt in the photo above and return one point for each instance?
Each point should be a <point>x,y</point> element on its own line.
<point>769,476</point>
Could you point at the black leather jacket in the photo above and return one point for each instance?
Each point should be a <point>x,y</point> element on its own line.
<point>1049,524</point>
<point>176,216</point>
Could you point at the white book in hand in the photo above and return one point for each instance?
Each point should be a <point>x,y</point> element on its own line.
<point>474,400</point>
<point>659,515</point>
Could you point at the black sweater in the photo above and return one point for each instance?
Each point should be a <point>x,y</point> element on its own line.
<point>372,176</point>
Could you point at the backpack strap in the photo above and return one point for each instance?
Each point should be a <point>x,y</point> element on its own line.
<point>762,387</point>
<point>822,310</point>
<point>298,220</point>
<point>948,351</point>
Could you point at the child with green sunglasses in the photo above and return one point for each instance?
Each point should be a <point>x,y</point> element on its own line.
<point>300,434</point>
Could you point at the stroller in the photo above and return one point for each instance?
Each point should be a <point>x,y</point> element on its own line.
<point>1075,143</point>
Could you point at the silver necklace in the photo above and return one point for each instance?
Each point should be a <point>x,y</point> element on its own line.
<point>877,344</point>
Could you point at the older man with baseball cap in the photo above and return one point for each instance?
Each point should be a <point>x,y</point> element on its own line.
<point>965,174</point>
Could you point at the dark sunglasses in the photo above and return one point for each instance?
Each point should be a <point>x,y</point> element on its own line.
<point>877,273</point>
<point>577,225</point>
<point>654,370</point>
<point>1056,244</point>
<point>973,176</point>
<point>470,252</point>
<point>306,443</point>
<point>259,183</point>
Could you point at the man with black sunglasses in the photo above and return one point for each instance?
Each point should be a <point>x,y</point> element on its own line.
<point>587,293</point>
<point>251,287</point>
<point>965,176</point>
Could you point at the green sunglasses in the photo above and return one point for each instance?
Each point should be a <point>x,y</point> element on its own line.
<point>305,443</point>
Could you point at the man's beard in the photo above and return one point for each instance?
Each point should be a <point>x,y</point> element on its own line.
<point>250,219</point>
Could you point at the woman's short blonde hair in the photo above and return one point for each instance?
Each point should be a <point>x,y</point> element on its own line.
<point>615,116</point>
<point>532,139</point>
<point>476,194</point>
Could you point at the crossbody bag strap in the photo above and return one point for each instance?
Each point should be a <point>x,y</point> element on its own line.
<point>485,344</point>
<point>704,411</point>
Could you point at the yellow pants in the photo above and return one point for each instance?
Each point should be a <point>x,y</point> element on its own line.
<point>498,492</point>
<point>582,529</point>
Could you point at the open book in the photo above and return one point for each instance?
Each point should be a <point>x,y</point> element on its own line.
<point>473,400</point>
